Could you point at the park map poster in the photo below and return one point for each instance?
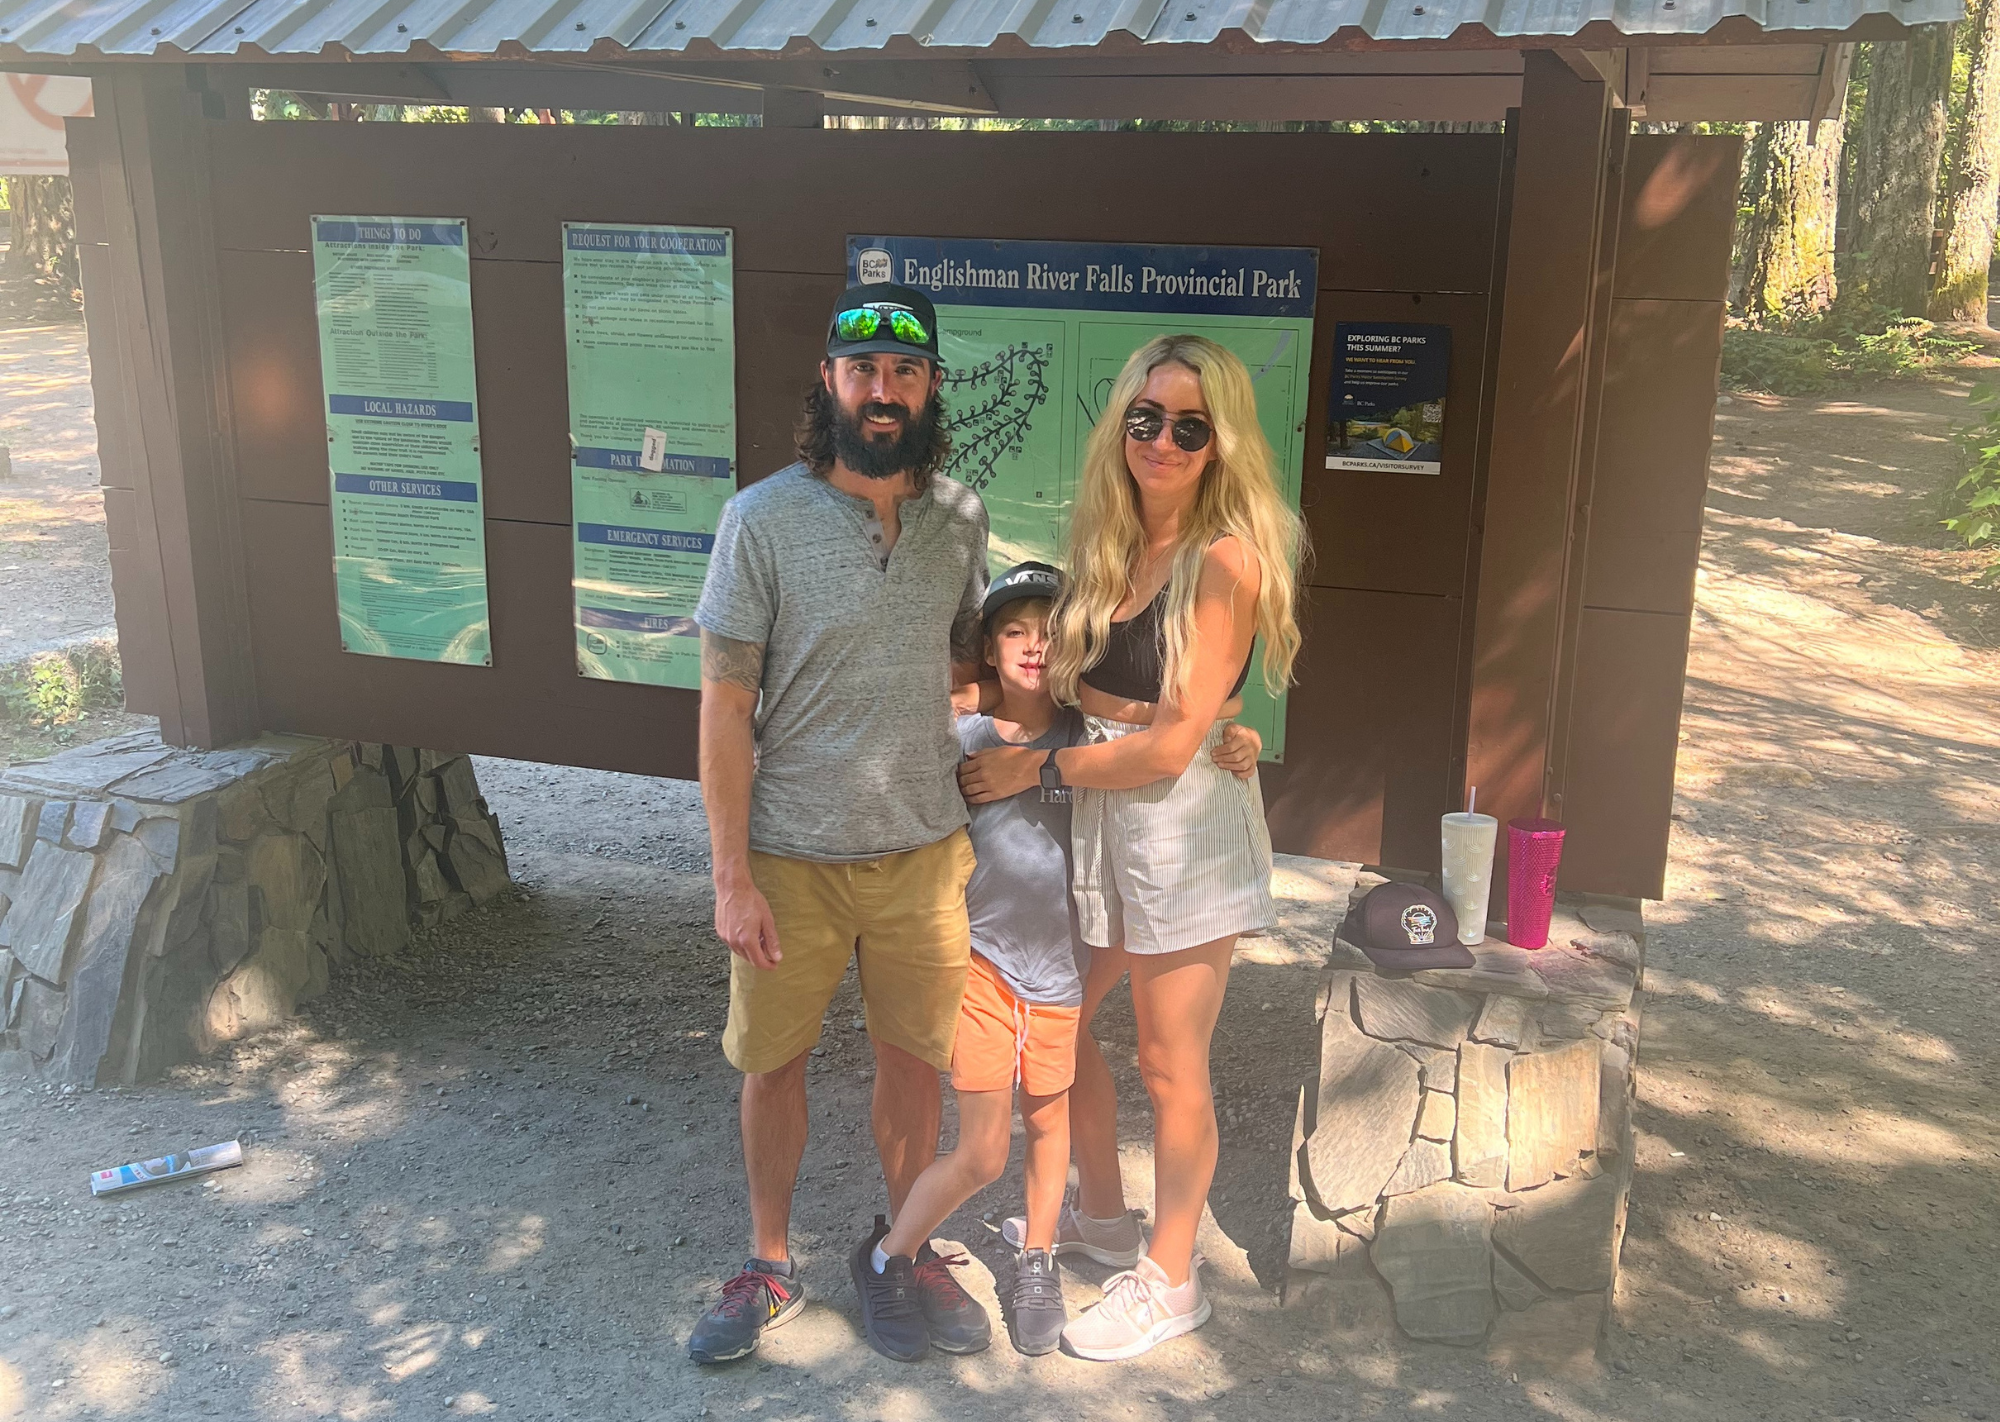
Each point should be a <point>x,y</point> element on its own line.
<point>1033,334</point>
<point>394,301</point>
<point>649,314</point>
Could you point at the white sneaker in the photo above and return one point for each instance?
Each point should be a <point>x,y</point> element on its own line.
<point>1139,1310</point>
<point>1119,1245</point>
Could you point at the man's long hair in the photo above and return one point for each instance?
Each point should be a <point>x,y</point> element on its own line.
<point>814,436</point>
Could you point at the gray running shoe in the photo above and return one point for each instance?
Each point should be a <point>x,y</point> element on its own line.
<point>1118,1245</point>
<point>757,1299</point>
<point>1037,1306</point>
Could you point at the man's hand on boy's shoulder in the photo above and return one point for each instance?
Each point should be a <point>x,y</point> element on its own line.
<point>1238,750</point>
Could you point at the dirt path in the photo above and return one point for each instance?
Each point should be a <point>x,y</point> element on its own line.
<point>500,1176</point>
<point>54,587</point>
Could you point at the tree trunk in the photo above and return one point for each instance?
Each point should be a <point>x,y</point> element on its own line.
<point>1749,194</point>
<point>1788,248</point>
<point>1896,169</point>
<point>1972,196</point>
<point>44,247</point>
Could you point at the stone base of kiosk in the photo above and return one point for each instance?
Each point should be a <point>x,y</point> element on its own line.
<point>157,901</point>
<point>1467,1142</point>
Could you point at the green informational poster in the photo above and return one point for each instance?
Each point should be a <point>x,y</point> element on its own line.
<point>394,296</point>
<point>651,327</point>
<point>1034,333</point>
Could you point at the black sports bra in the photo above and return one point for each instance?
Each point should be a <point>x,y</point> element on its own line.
<point>1130,668</point>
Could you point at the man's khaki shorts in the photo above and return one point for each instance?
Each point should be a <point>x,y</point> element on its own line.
<point>901,918</point>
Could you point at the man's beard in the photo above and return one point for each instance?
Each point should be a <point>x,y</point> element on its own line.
<point>874,458</point>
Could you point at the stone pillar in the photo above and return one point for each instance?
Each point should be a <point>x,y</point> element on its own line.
<point>156,901</point>
<point>1468,1139</point>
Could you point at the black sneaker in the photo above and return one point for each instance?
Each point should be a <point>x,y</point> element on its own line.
<point>891,1315</point>
<point>756,1299</point>
<point>956,1322</point>
<point>1037,1304</point>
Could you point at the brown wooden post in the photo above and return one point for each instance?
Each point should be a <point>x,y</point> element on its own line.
<point>1543,397</point>
<point>170,478</point>
<point>1583,487</point>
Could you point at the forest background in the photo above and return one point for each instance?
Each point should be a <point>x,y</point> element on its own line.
<point>1863,246</point>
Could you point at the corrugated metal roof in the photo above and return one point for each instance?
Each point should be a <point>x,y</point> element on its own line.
<point>429,29</point>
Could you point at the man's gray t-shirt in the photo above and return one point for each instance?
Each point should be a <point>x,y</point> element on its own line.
<point>855,752</point>
<point>1023,918</point>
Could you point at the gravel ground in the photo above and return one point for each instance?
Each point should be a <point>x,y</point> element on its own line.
<point>501,1174</point>
<point>54,583</point>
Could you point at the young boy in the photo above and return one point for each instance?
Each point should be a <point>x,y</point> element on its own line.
<point>1018,1021</point>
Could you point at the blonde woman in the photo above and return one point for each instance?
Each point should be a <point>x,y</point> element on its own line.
<point>1181,553</point>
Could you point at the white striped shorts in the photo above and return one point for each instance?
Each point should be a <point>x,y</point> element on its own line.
<point>1174,864</point>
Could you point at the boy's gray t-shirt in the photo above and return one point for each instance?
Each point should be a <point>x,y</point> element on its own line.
<point>855,752</point>
<point>1023,917</point>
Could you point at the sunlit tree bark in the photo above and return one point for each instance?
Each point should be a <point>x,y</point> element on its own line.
<point>44,246</point>
<point>1972,191</point>
<point>1896,168</point>
<point>1791,193</point>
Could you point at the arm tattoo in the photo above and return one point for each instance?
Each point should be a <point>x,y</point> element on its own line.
<point>725,659</point>
<point>967,643</point>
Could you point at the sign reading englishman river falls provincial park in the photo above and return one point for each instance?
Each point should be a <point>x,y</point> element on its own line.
<point>394,300</point>
<point>650,318</point>
<point>1033,334</point>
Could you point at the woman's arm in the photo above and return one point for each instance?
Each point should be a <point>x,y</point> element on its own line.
<point>1225,622</point>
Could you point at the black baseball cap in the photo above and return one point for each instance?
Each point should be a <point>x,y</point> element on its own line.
<point>1023,580</point>
<point>1406,927</point>
<point>893,306</point>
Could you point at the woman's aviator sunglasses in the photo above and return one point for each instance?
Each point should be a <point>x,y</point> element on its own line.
<point>863,322</point>
<point>1191,432</point>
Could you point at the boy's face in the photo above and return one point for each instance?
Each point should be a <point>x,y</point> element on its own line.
<point>1017,647</point>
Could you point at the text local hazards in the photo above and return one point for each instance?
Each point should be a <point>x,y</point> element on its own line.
<point>1114,280</point>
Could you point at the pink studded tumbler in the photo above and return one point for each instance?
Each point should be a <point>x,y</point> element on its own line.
<point>1534,850</point>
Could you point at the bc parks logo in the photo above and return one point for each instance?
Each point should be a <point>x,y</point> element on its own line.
<point>873,265</point>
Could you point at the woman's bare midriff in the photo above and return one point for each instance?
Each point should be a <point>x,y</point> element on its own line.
<point>1105,706</point>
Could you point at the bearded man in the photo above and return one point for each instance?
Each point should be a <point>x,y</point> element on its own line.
<point>839,591</point>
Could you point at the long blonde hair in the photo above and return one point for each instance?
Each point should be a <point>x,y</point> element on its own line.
<point>1238,495</point>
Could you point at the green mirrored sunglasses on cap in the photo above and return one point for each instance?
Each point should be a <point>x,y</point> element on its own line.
<point>863,323</point>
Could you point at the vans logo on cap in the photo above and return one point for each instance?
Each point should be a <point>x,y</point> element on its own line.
<point>1420,922</point>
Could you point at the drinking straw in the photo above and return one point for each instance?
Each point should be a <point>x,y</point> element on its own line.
<point>1471,797</point>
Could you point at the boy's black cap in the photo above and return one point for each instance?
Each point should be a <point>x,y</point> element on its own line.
<point>1023,580</point>
<point>1405,927</point>
<point>884,296</point>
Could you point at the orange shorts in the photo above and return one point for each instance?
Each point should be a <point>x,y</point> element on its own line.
<point>1004,1042</point>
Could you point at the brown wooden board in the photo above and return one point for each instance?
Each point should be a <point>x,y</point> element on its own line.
<point>792,198</point>
<point>1397,532</point>
<point>531,704</point>
<point>1652,458</point>
<point>1409,212</point>
<point>1679,215</point>
<point>1368,731</point>
<point>1629,677</point>
<point>267,307</point>
<point>1372,749</point>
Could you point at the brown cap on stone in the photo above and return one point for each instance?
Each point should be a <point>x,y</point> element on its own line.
<point>1405,927</point>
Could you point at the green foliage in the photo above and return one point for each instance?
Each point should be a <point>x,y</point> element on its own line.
<point>1853,342</point>
<point>1973,504</point>
<point>1754,359</point>
<point>56,688</point>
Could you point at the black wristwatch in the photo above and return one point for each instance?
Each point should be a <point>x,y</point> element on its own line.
<point>1053,789</point>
